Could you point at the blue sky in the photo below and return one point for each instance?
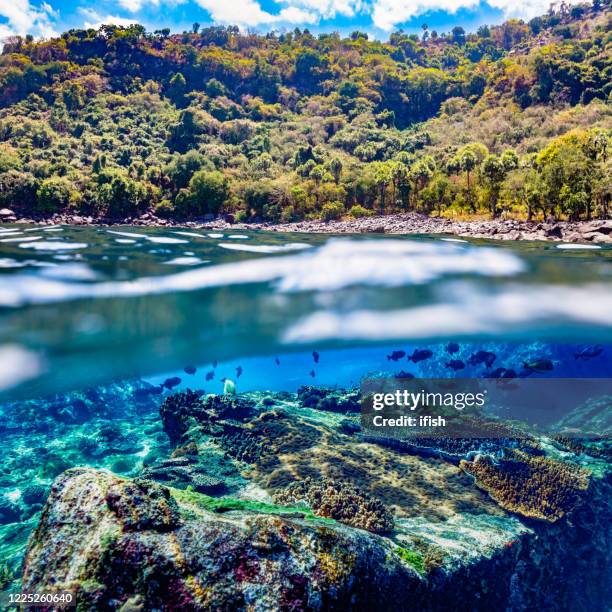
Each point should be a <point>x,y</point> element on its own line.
<point>43,18</point>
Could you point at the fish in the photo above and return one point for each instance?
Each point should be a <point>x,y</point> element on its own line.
<point>396,355</point>
<point>485,357</point>
<point>455,364</point>
<point>420,355</point>
<point>170,383</point>
<point>190,369</point>
<point>588,352</point>
<point>509,374</point>
<point>215,363</point>
<point>497,373</point>
<point>210,375</point>
<point>277,361</point>
<point>402,374</point>
<point>238,371</point>
<point>539,365</point>
<point>315,356</point>
<point>312,373</point>
<point>452,347</point>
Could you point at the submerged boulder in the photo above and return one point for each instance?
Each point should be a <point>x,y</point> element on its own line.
<point>114,542</point>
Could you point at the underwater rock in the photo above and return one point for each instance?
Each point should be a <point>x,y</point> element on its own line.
<point>183,472</point>
<point>340,501</point>
<point>177,556</point>
<point>331,400</point>
<point>180,410</point>
<point>534,487</point>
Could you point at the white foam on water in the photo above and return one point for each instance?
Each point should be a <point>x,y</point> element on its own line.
<point>238,237</point>
<point>54,229</point>
<point>183,261</point>
<point>266,248</point>
<point>71,271</point>
<point>454,240</point>
<point>51,245</point>
<point>39,228</point>
<point>166,240</point>
<point>190,234</point>
<point>576,247</point>
<point>22,239</point>
<point>18,365</point>
<point>154,239</point>
<point>127,234</point>
<point>215,235</point>
<point>125,241</point>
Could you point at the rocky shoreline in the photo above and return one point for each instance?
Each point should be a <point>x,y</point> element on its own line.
<point>585,232</point>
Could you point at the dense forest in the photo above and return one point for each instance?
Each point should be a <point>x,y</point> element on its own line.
<point>513,120</point>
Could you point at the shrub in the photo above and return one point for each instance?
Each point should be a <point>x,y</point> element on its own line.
<point>357,212</point>
<point>54,194</point>
<point>332,210</point>
<point>208,192</point>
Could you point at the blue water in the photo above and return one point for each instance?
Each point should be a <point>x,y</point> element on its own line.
<point>82,306</point>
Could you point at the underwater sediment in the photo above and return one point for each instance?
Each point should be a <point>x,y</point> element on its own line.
<point>276,501</point>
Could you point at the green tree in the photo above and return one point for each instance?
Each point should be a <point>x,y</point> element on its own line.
<point>209,191</point>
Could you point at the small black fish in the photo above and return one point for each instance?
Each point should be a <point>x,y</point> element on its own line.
<point>215,363</point>
<point>312,373</point>
<point>402,374</point>
<point>396,355</point>
<point>210,375</point>
<point>485,357</point>
<point>539,365</point>
<point>497,373</point>
<point>190,369</point>
<point>277,360</point>
<point>452,347</point>
<point>315,356</point>
<point>588,352</point>
<point>420,355</point>
<point>169,383</point>
<point>238,371</point>
<point>455,364</point>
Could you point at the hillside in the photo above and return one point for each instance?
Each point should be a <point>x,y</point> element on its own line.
<point>514,120</point>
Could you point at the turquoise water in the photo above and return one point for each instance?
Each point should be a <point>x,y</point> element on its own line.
<point>94,321</point>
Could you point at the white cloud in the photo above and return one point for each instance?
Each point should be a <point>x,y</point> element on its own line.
<point>94,20</point>
<point>24,18</point>
<point>250,13</point>
<point>327,8</point>
<point>387,14</point>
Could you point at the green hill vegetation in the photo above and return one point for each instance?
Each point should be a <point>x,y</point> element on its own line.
<point>512,120</point>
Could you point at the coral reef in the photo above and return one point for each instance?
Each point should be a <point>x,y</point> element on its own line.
<point>601,449</point>
<point>331,400</point>
<point>535,487</point>
<point>340,501</point>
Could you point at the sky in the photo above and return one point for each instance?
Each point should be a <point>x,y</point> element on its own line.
<point>45,18</point>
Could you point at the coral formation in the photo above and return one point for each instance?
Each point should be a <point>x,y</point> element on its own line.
<point>340,501</point>
<point>331,400</point>
<point>535,487</point>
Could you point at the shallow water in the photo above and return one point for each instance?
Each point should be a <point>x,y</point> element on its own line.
<point>91,316</point>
